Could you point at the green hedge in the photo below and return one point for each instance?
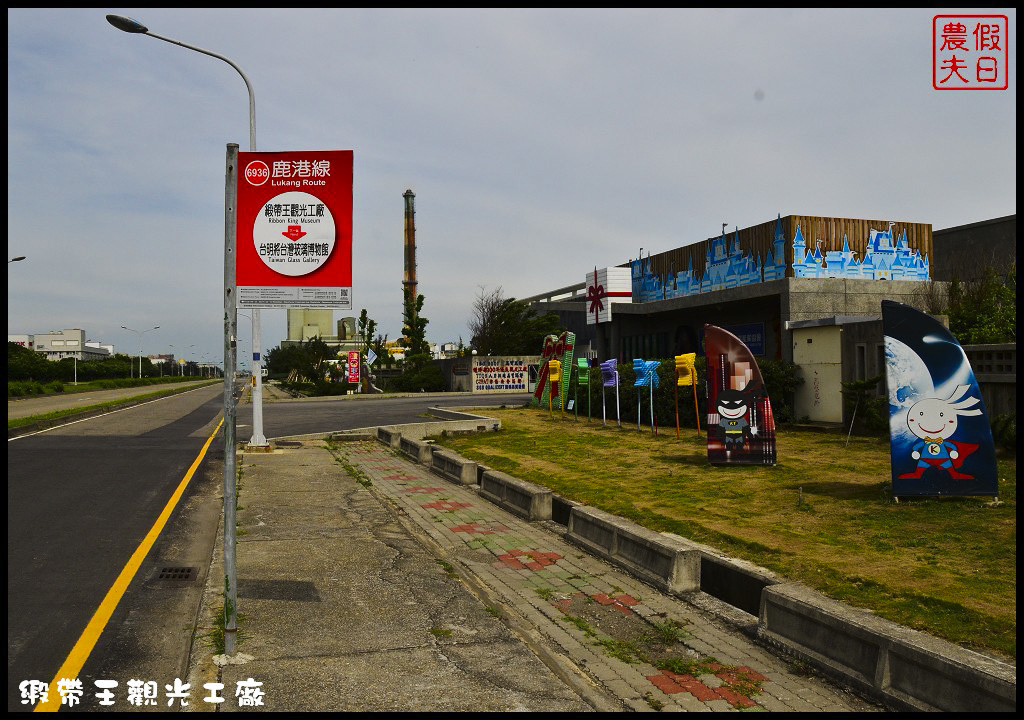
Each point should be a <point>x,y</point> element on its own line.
<point>30,388</point>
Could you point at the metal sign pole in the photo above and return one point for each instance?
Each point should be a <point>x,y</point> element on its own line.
<point>230,362</point>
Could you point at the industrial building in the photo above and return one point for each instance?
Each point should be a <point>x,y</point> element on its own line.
<point>69,343</point>
<point>305,324</point>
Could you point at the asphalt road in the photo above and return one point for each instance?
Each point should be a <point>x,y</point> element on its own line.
<point>80,500</point>
<point>284,418</point>
<point>41,404</point>
<point>82,497</point>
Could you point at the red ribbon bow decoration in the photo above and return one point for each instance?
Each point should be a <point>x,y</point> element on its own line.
<point>595,293</point>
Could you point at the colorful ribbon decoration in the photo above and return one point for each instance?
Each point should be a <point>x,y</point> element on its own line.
<point>610,378</point>
<point>554,348</point>
<point>596,293</point>
<point>646,376</point>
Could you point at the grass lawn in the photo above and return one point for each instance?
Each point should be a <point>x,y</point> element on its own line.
<point>823,516</point>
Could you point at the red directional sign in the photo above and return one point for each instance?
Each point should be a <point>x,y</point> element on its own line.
<point>294,236</point>
<point>353,366</point>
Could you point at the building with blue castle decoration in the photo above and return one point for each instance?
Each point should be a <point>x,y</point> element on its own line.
<point>727,265</point>
<point>817,282</point>
<point>756,280</point>
<point>883,260</point>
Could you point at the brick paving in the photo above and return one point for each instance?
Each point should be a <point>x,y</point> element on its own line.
<point>538,574</point>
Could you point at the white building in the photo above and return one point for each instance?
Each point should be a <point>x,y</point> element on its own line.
<point>70,342</point>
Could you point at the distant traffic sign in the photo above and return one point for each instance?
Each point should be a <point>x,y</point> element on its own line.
<point>371,357</point>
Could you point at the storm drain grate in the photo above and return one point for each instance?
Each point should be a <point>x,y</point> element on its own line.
<point>177,573</point>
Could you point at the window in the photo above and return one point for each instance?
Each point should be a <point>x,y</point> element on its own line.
<point>880,367</point>
<point>860,365</point>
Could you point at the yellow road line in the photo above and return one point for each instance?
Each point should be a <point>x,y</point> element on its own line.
<point>80,652</point>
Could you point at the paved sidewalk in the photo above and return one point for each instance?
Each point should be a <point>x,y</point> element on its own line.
<point>411,593</point>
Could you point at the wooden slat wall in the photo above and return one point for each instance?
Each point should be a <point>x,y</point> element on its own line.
<point>759,240</point>
<point>831,231</point>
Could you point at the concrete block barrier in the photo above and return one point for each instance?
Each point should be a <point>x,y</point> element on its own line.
<point>733,581</point>
<point>561,509</point>
<point>452,467</point>
<point>418,451</point>
<point>897,665</point>
<point>389,437</point>
<point>517,496</point>
<point>670,564</point>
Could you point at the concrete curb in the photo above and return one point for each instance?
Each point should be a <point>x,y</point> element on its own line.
<point>900,666</point>
<point>672,565</point>
<point>517,496</point>
<point>452,467</point>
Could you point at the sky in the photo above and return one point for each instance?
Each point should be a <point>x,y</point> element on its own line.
<point>539,143</point>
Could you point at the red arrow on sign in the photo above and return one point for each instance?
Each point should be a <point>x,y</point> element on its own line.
<point>294,232</point>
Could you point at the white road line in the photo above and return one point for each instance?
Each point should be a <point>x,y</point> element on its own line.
<point>75,422</point>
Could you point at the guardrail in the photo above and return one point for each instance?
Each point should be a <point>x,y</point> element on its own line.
<point>389,437</point>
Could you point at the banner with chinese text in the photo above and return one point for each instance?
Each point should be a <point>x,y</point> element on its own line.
<point>294,236</point>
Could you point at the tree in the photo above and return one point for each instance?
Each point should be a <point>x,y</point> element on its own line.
<point>379,345</point>
<point>366,328</point>
<point>984,310</point>
<point>418,372</point>
<point>414,334</point>
<point>26,364</point>
<point>506,326</point>
<point>308,359</point>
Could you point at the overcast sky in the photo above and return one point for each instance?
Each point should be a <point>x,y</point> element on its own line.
<point>539,144</point>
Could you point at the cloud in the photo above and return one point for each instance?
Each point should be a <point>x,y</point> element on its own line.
<point>538,142</point>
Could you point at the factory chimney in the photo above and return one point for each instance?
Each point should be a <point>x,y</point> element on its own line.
<point>409,278</point>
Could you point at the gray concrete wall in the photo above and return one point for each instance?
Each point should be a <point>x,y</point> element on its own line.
<point>671,564</point>
<point>995,366</point>
<point>966,250</point>
<point>453,467</point>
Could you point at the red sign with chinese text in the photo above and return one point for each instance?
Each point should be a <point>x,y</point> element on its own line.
<point>294,230</point>
<point>970,52</point>
<point>353,367</point>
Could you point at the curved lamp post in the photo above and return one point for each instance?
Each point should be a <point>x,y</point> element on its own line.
<point>140,334</point>
<point>230,359</point>
<point>133,26</point>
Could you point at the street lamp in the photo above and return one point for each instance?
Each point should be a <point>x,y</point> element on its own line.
<point>17,259</point>
<point>129,25</point>
<point>230,357</point>
<point>140,334</point>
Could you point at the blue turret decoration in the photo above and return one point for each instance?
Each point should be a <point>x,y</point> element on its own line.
<point>727,265</point>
